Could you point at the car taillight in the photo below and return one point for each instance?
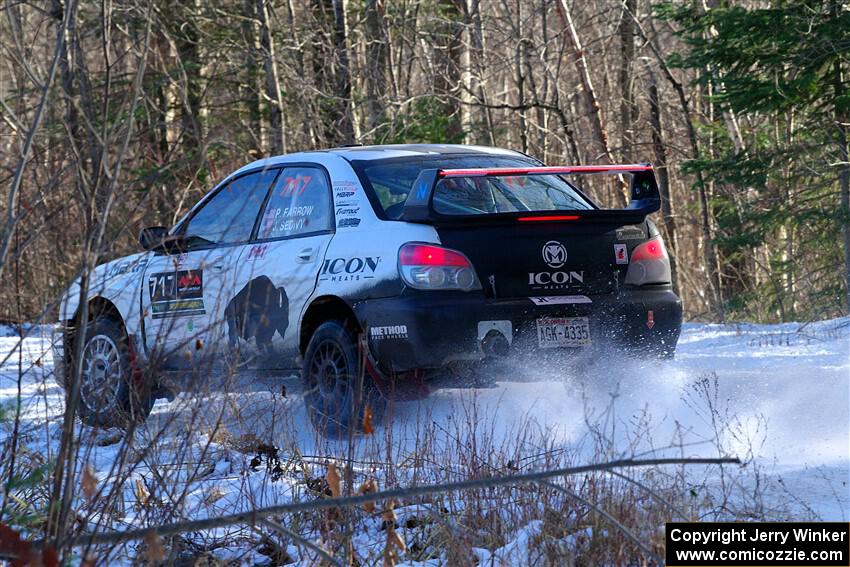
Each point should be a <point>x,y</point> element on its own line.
<point>649,263</point>
<point>425,266</point>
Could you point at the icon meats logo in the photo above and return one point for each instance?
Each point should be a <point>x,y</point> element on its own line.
<point>349,269</point>
<point>555,256</point>
<point>555,280</point>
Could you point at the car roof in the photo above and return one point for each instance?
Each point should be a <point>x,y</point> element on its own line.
<point>351,153</point>
<point>389,151</point>
<point>413,150</point>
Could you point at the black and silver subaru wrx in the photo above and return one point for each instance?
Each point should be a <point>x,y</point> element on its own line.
<point>365,268</point>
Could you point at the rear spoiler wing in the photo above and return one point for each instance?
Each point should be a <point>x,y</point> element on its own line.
<point>644,196</point>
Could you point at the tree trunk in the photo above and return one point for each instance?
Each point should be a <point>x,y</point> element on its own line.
<point>668,219</point>
<point>842,120</point>
<point>277,136</point>
<point>345,122</point>
<point>599,137</point>
<point>187,39</point>
<point>71,92</point>
<point>250,88</point>
<point>376,67</point>
<point>447,62</point>
<point>715,303</point>
<point>628,111</point>
<point>296,52</point>
<point>519,77</point>
<point>13,200</point>
<point>478,82</point>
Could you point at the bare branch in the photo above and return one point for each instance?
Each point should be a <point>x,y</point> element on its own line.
<point>253,516</point>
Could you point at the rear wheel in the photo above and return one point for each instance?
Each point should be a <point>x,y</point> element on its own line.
<point>109,394</point>
<point>337,389</point>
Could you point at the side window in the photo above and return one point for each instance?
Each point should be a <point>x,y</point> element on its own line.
<point>300,204</point>
<point>229,216</point>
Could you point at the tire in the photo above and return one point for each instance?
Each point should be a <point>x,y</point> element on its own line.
<point>110,395</point>
<point>337,390</point>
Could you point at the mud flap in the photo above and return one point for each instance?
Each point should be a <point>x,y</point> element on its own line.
<point>397,386</point>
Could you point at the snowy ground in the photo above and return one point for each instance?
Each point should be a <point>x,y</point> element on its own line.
<point>777,396</point>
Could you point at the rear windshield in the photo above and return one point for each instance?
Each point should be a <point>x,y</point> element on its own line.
<point>392,180</point>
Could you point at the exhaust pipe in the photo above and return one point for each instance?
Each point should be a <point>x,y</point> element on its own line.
<point>495,344</point>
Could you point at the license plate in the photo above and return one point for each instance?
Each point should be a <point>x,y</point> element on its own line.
<point>561,332</point>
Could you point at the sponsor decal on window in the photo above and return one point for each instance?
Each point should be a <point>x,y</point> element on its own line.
<point>515,180</point>
<point>177,293</point>
<point>349,269</point>
<point>631,232</point>
<point>348,222</point>
<point>422,191</point>
<point>621,254</point>
<point>295,185</point>
<point>561,300</point>
<point>285,220</point>
<point>388,332</point>
<point>127,266</point>
<point>257,251</point>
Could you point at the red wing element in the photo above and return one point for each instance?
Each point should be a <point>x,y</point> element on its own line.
<point>551,170</point>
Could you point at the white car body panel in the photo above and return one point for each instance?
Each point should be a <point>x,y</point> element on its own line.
<point>352,263</point>
<point>116,281</point>
<point>363,252</point>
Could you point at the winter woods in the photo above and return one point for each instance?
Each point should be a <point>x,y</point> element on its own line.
<point>118,115</point>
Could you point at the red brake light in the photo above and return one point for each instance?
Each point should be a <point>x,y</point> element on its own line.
<point>549,218</point>
<point>649,264</point>
<point>649,250</point>
<point>426,255</point>
<point>429,267</point>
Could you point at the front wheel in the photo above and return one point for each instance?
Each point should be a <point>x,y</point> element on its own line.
<point>337,389</point>
<point>109,394</point>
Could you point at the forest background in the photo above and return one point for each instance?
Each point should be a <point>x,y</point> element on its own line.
<point>115,115</point>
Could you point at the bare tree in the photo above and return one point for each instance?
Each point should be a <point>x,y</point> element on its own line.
<point>376,66</point>
<point>277,133</point>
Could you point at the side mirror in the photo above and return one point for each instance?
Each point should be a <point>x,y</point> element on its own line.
<point>153,237</point>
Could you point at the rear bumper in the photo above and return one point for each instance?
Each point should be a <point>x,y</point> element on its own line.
<point>430,329</point>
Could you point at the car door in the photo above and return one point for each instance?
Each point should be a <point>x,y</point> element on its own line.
<point>186,293</point>
<point>277,273</point>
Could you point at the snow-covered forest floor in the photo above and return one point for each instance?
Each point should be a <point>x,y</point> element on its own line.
<point>776,396</point>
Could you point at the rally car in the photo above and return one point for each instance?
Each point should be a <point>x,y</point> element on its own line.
<point>366,268</point>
